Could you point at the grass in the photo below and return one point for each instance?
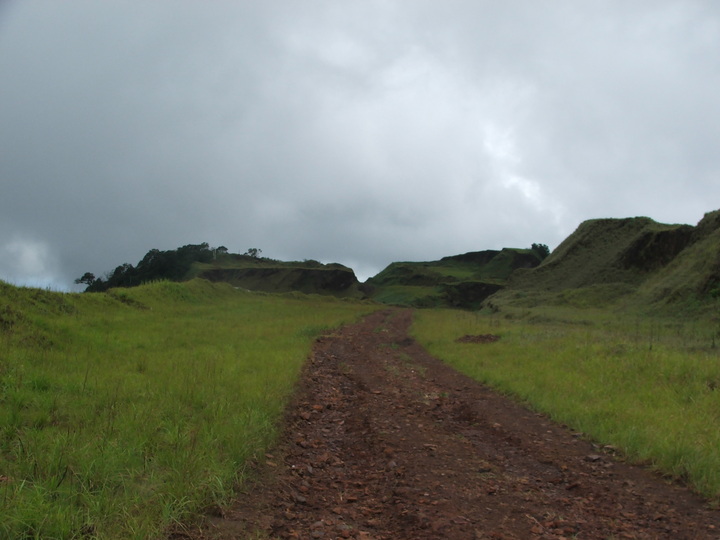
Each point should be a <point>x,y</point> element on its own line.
<point>408,295</point>
<point>125,413</point>
<point>693,273</point>
<point>650,387</point>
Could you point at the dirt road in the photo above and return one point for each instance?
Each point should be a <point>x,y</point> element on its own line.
<point>385,442</point>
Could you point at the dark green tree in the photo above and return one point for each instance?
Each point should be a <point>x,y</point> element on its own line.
<point>86,279</point>
<point>541,250</point>
<point>155,265</point>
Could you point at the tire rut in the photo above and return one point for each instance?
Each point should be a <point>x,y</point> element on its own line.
<point>383,441</point>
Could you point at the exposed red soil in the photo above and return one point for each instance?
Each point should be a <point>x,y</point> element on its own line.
<point>384,441</point>
<point>482,338</point>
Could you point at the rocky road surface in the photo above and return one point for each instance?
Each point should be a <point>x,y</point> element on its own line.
<point>383,441</point>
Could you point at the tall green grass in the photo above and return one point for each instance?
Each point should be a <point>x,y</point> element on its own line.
<point>126,412</point>
<point>649,387</point>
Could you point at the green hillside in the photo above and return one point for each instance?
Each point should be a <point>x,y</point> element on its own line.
<point>695,273</point>
<point>604,251</point>
<point>637,260</point>
<point>462,281</point>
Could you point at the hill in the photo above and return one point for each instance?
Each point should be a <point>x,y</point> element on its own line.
<point>463,281</point>
<point>309,277</point>
<point>694,273</point>
<point>247,271</point>
<point>637,259</point>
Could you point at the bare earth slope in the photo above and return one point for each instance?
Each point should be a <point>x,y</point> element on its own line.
<point>385,442</point>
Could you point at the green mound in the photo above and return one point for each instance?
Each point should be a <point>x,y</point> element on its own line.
<point>605,251</point>
<point>643,262</point>
<point>463,281</point>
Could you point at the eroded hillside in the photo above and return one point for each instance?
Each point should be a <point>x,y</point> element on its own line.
<point>631,258</point>
<point>463,281</point>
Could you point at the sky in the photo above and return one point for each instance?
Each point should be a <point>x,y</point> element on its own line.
<point>360,132</point>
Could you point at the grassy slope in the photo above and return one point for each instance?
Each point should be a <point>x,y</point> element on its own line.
<point>594,254</point>
<point>693,274</point>
<point>603,261</point>
<point>124,412</point>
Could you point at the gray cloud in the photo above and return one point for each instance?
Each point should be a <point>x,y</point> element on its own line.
<point>354,132</point>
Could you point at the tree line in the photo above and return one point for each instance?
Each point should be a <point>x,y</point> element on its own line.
<point>541,250</point>
<point>157,265</point>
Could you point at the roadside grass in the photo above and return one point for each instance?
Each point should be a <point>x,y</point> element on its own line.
<point>650,387</point>
<point>125,413</point>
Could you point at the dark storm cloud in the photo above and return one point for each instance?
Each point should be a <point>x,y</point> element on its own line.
<point>355,132</point>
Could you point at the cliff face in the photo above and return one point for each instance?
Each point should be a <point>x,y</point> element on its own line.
<point>604,251</point>
<point>695,271</point>
<point>653,249</point>
<point>637,258</point>
<point>463,281</point>
<point>332,281</point>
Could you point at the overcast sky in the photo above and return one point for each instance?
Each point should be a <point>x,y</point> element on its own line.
<point>352,131</point>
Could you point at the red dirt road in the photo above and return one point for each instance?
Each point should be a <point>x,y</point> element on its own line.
<point>383,441</point>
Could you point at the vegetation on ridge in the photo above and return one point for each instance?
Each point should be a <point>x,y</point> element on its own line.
<point>634,261</point>
<point>246,271</point>
<point>694,274</point>
<point>156,265</point>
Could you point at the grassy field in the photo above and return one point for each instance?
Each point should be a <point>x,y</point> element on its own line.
<point>124,413</point>
<point>650,387</point>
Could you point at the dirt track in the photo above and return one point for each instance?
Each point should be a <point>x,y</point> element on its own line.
<point>385,442</point>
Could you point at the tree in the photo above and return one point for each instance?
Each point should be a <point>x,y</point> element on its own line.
<point>124,275</point>
<point>253,252</point>
<point>88,278</point>
<point>541,250</point>
<point>173,265</point>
